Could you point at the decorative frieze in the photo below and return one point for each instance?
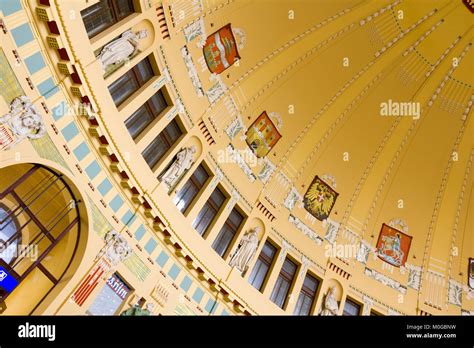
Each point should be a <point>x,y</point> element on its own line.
<point>385,280</point>
<point>267,170</point>
<point>195,30</point>
<point>292,198</point>
<point>217,90</point>
<point>414,276</point>
<point>237,158</point>
<point>192,72</point>
<point>305,229</point>
<point>454,292</point>
<point>331,231</point>
<point>363,251</point>
<point>234,127</point>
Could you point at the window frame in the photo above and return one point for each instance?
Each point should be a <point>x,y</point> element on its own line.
<point>290,281</point>
<point>200,189</point>
<point>149,110</point>
<point>269,262</point>
<point>169,144</point>
<point>217,210</point>
<point>230,227</point>
<point>306,293</point>
<point>353,302</point>
<point>112,6</point>
<point>132,74</point>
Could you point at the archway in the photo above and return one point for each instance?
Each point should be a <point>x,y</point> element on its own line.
<point>40,230</point>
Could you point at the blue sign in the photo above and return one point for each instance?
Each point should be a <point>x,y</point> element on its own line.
<point>7,281</point>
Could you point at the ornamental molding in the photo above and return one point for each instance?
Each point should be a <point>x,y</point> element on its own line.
<point>305,229</point>
<point>385,280</point>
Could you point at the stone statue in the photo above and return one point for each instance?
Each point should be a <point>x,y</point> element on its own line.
<point>246,250</point>
<point>138,310</point>
<point>330,306</point>
<point>23,120</point>
<point>183,161</point>
<point>122,48</point>
<point>116,248</point>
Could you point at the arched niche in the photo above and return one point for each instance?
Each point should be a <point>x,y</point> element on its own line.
<point>143,45</point>
<point>197,143</point>
<point>254,222</point>
<point>51,222</point>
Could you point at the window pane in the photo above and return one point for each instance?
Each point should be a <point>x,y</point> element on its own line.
<point>158,103</point>
<point>227,233</point>
<point>143,71</point>
<point>258,275</point>
<point>262,265</point>
<point>104,14</point>
<point>124,8</point>
<point>209,211</point>
<point>131,81</point>
<point>160,145</point>
<point>189,191</point>
<point>351,308</point>
<point>123,87</point>
<point>204,219</point>
<point>97,17</point>
<point>282,286</point>
<point>307,295</point>
<point>138,121</point>
<point>145,115</point>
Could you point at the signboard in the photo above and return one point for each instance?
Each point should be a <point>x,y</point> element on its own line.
<point>111,297</point>
<point>7,281</point>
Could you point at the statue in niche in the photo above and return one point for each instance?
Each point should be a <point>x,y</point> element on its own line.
<point>330,306</point>
<point>183,161</point>
<point>116,248</point>
<point>138,310</point>
<point>246,250</point>
<point>122,48</point>
<point>24,121</point>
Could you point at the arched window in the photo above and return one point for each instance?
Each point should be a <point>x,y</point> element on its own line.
<point>39,234</point>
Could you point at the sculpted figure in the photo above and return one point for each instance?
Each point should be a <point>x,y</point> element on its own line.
<point>23,120</point>
<point>330,306</point>
<point>183,161</point>
<point>246,250</point>
<point>116,248</point>
<point>122,48</point>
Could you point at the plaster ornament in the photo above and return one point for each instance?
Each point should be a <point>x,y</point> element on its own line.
<point>291,199</point>
<point>330,306</point>
<point>246,250</point>
<point>122,48</point>
<point>234,127</point>
<point>24,121</point>
<point>116,248</point>
<point>183,161</point>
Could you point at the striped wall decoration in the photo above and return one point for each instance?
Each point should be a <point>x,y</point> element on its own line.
<point>137,267</point>
<point>91,281</point>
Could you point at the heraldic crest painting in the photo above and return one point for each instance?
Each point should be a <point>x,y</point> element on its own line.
<point>220,50</point>
<point>262,135</point>
<point>320,199</point>
<point>393,246</point>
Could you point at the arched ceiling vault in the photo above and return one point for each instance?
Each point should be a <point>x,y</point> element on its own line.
<point>326,70</point>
